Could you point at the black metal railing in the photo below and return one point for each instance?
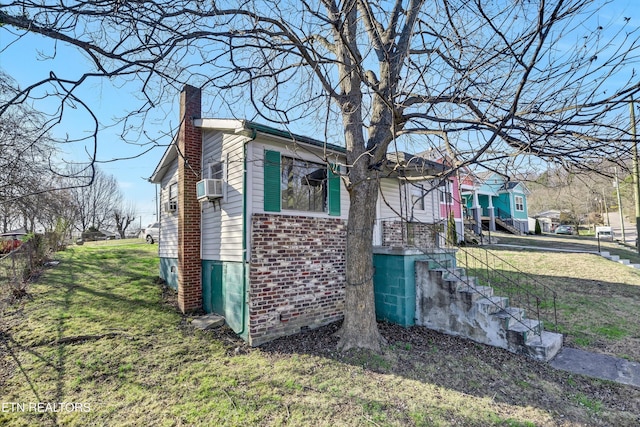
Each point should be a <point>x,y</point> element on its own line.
<point>478,266</point>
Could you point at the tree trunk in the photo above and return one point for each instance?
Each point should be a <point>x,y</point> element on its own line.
<point>360,329</point>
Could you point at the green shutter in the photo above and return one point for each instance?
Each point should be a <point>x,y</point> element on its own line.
<point>272,181</point>
<point>333,185</point>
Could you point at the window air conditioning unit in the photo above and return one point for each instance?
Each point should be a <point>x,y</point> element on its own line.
<point>209,189</point>
<point>171,206</point>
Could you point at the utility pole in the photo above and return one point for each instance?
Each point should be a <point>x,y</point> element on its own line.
<point>606,208</point>
<point>617,183</point>
<point>636,173</point>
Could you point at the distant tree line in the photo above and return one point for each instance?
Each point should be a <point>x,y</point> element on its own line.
<point>582,198</point>
<point>40,192</point>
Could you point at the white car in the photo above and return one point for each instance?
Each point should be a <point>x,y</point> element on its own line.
<point>152,233</point>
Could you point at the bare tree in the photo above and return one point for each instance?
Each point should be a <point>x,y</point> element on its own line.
<point>123,216</point>
<point>94,199</point>
<point>26,151</point>
<point>489,81</point>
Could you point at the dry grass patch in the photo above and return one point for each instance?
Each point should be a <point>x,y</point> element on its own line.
<point>597,299</point>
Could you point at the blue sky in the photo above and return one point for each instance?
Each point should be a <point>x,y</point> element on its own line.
<point>25,62</point>
<point>29,60</point>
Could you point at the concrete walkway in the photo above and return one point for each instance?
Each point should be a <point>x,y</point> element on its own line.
<point>591,364</point>
<point>598,366</point>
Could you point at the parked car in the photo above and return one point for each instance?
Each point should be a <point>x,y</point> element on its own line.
<point>152,233</point>
<point>564,229</point>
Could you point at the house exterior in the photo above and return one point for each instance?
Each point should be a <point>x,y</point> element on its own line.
<point>450,201</point>
<point>497,201</point>
<point>253,225</point>
<point>549,220</point>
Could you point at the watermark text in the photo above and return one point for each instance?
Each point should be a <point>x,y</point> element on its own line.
<point>45,407</point>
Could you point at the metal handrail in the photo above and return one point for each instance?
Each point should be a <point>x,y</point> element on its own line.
<point>523,289</point>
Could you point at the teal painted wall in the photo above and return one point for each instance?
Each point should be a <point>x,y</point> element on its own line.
<point>503,202</point>
<point>223,292</point>
<point>395,285</point>
<point>520,214</point>
<point>169,271</point>
<point>483,201</point>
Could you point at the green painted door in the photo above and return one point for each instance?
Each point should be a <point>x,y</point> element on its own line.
<point>217,297</point>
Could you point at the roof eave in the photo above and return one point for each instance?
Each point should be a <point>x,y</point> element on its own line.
<point>170,154</point>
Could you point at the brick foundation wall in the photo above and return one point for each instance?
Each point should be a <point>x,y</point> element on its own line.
<point>189,164</point>
<point>402,234</point>
<point>297,274</point>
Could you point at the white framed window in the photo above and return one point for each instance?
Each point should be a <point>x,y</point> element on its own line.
<point>213,186</point>
<point>445,193</point>
<point>303,185</point>
<point>216,170</point>
<point>171,206</point>
<point>519,201</point>
<point>418,194</point>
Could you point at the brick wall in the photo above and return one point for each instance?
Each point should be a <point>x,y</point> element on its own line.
<point>297,274</point>
<point>402,234</point>
<point>189,162</point>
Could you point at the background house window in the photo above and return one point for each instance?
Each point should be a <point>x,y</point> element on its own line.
<point>519,200</point>
<point>445,193</point>
<point>303,185</point>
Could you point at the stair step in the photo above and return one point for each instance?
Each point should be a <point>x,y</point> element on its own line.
<point>613,257</point>
<point>529,328</point>
<point>485,291</point>
<point>460,278</point>
<point>208,321</point>
<point>545,346</point>
<point>492,304</point>
<point>510,315</point>
<point>624,261</point>
<point>453,273</point>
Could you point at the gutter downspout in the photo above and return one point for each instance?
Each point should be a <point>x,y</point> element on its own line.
<point>245,261</point>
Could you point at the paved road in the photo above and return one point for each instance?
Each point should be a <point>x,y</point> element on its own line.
<point>629,228</point>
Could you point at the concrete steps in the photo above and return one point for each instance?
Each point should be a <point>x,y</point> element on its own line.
<point>451,302</point>
<point>208,321</point>
<point>616,258</point>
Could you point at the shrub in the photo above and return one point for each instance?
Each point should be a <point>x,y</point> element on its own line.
<point>452,234</point>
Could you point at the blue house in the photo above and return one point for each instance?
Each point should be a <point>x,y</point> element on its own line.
<point>498,203</point>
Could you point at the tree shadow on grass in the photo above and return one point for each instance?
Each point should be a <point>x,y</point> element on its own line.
<point>454,363</point>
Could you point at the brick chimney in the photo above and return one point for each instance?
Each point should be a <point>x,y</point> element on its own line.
<point>189,165</point>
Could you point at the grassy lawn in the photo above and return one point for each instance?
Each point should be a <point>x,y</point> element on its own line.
<point>578,243</point>
<point>598,300</point>
<point>99,332</point>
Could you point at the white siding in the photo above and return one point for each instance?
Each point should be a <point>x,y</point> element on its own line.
<point>256,163</point>
<point>222,219</point>
<point>168,244</point>
<point>389,200</point>
<point>395,201</point>
<point>431,212</point>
